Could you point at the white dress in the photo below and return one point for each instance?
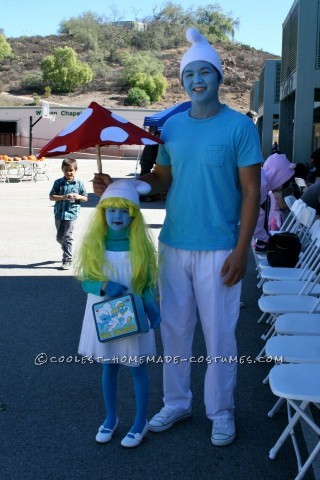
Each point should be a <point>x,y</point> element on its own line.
<point>127,351</point>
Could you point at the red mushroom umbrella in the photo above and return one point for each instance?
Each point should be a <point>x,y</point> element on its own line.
<point>96,126</point>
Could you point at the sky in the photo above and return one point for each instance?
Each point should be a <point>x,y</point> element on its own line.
<point>260,20</point>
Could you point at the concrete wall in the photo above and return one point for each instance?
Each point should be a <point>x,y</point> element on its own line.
<point>63,116</point>
<point>46,130</point>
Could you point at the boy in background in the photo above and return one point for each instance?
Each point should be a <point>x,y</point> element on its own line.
<point>68,192</point>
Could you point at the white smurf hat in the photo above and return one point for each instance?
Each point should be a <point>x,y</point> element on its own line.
<point>127,189</point>
<point>200,50</point>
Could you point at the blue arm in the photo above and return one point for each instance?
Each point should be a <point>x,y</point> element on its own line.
<point>151,308</point>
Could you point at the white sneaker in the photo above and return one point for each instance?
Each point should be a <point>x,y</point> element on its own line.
<point>66,265</point>
<point>223,432</point>
<point>166,418</point>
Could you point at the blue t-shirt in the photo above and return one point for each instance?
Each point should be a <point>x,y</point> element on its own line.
<point>204,200</point>
<point>66,210</point>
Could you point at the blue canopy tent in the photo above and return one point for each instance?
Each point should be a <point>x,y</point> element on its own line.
<point>158,119</point>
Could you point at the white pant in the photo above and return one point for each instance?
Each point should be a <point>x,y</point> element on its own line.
<point>187,280</point>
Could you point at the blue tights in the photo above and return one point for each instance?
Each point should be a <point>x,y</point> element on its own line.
<point>141,391</point>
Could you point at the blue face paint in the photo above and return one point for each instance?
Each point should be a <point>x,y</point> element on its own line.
<point>118,218</point>
<point>201,81</point>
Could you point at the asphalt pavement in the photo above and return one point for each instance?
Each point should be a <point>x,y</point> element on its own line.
<point>50,398</point>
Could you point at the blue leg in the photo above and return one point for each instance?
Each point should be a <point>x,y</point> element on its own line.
<point>141,390</point>
<point>109,390</point>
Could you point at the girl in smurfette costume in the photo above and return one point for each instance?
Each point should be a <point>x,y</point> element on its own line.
<point>116,255</point>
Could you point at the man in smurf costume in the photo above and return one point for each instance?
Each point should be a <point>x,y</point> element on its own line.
<point>210,164</point>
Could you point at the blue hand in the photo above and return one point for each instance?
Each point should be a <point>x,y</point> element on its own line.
<point>153,313</point>
<point>114,289</point>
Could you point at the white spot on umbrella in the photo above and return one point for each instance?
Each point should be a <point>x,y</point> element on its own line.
<point>114,134</point>
<point>62,148</point>
<point>119,119</point>
<point>148,141</point>
<point>77,122</point>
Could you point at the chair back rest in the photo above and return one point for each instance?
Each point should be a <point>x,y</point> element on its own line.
<point>289,200</point>
<point>306,219</point>
<point>291,223</point>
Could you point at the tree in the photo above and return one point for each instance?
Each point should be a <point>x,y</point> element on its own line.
<point>63,72</point>
<point>216,25</point>
<point>143,62</point>
<point>85,29</point>
<point>5,48</point>
<point>155,86</point>
<point>143,72</point>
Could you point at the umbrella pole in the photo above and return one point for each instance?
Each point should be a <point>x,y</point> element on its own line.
<point>98,154</point>
<point>137,162</point>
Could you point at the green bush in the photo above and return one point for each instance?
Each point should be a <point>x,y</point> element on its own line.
<point>63,72</point>
<point>36,99</point>
<point>32,81</point>
<point>85,29</point>
<point>47,91</point>
<point>138,97</point>
<point>5,48</point>
<point>155,87</point>
<point>142,62</point>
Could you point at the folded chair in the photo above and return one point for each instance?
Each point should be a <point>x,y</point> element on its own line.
<point>304,222</point>
<point>289,223</point>
<point>289,200</point>
<point>297,324</point>
<point>297,349</point>
<point>299,386</point>
<point>304,269</point>
<point>275,305</point>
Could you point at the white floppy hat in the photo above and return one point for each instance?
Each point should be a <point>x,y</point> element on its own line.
<point>127,189</point>
<point>200,50</point>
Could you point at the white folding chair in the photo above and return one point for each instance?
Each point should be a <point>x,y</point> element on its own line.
<point>289,200</point>
<point>298,324</point>
<point>302,184</point>
<point>304,221</point>
<point>275,305</point>
<point>14,170</point>
<point>299,386</point>
<point>42,170</point>
<point>291,349</point>
<point>304,269</point>
<point>288,225</point>
<point>3,171</point>
<point>290,221</point>
<point>294,348</point>
<point>26,169</point>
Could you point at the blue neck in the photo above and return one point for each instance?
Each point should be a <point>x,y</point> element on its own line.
<point>117,241</point>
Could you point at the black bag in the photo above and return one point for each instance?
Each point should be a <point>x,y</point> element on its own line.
<point>283,249</point>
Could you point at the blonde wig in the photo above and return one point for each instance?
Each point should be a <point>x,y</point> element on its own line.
<point>90,256</point>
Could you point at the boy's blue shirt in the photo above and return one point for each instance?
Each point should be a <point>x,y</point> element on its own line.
<point>66,210</point>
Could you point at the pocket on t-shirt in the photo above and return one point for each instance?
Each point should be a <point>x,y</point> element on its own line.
<point>215,155</point>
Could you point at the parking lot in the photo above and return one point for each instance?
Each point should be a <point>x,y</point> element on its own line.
<point>50,399</point>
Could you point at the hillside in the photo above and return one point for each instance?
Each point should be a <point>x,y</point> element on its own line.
<point>241,64</point>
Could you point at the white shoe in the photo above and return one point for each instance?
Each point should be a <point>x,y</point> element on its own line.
<point>223,432</point>
<point>66,265</point>
<point>104,434</point>
<point>166,418</point>
<point>134,439</point>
